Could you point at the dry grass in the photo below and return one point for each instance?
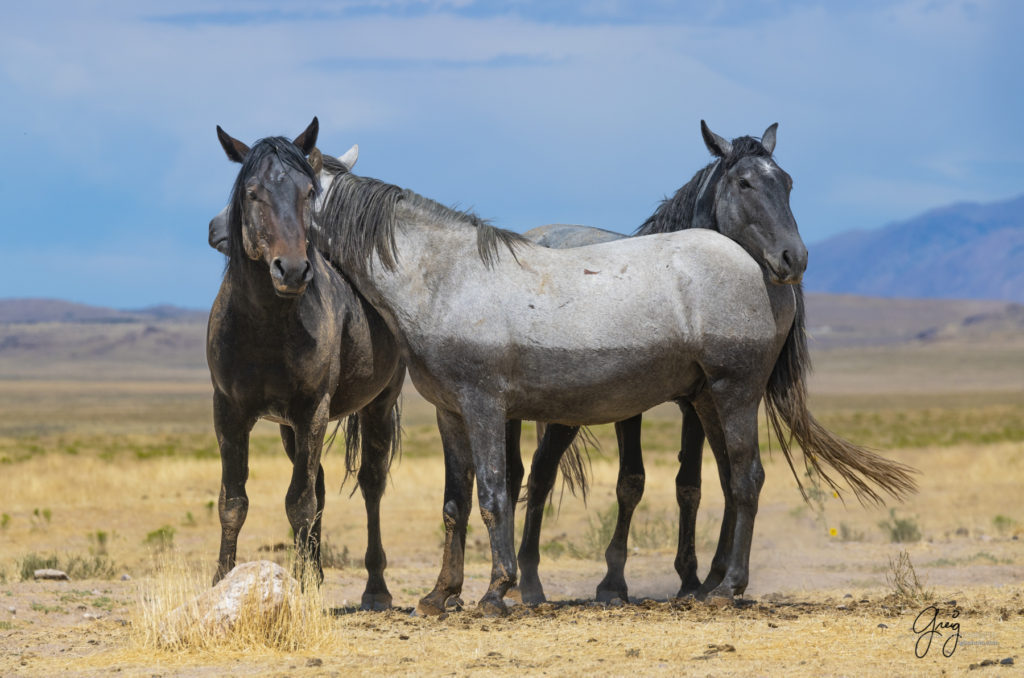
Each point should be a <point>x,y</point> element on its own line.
<point>132,459</point>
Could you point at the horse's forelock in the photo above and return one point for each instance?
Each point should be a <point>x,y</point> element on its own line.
<point>285,151</point>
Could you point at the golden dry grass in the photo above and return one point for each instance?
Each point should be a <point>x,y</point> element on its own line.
<point>135,460</point>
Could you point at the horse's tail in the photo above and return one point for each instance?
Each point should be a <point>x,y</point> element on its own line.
<point>786,405</point>
<point>575,463</point>
<point>354,441</point>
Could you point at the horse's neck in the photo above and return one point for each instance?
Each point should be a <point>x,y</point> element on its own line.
<point>426,246</point>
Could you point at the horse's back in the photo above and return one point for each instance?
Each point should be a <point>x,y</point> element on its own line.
<point>563,236</point>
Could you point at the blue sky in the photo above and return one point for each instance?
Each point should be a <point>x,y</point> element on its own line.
<point>527,111</point>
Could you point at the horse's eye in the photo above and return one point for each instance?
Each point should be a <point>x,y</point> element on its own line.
<point>251,194</point>
<point>312,193</point>
<point>744,184</point>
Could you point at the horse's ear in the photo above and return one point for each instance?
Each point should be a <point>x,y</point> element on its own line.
<point>316,160</point>
<point>768,138</point>
<point>349,157</point>
<point>307,140</point>
<point>718,146</point>
<point>219,231</point>
<point>235,149</point>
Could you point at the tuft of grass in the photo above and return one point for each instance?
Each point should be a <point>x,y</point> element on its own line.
<point>1004,524</point>
<point>653,533</point>
<point>76,566</point>
<point>161,539</point>
<point>902,579</point>
<point>5,521</point>
<point>553,549</point>
<point>189,520</point>
<point>99,539</point>
<point>847,533</point>
<point>301,624</point>
<point>333,557</point>
<point>900,530</point>
<point>41,518</point>
<point>595,539</point>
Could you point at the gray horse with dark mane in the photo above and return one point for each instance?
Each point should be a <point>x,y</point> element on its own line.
<point>494,328</point>
<point>291,341</point>
<point>703,202</point>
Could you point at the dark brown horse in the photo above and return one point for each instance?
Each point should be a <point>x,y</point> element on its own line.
<point>289,340</point>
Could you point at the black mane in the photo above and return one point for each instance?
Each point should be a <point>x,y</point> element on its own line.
<point>679,212</point>
<point>290,155</point>
<point>358,218</point>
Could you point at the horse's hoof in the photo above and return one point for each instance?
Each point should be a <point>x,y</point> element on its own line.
<point>492,607</point>
<point>720,596</point>
<point>532,594</point>
<point>689,590</point>
<point>514,594</point>
<point>609,596</point>
<point>454,604</point>
<point>430,605</point>
<point>376,602</point>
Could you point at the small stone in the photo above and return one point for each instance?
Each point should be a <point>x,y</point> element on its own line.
<point>96,592</point>
<point>91,616</point>
<point>1006,662</point>
<point>842,607</point>
<point>54,575</point>
<point>987,662</point>
<point>126,577</point>
<point>403,637</point>
<point>12,609</point>
<point>314,661</point>
<point>848,595</point>
<point>883,626</point>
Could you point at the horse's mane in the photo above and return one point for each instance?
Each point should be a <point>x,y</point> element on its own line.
<point>358,218</point>
<point>290,155</point>
<point>678,212</point>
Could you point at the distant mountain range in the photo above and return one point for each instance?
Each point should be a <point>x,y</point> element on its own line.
<point>57,310</point>
<point>964,251</point>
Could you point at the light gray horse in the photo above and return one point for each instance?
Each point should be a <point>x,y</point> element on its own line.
<point>493,328</point>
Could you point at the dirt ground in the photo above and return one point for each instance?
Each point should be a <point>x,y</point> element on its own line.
<point>816,604</point>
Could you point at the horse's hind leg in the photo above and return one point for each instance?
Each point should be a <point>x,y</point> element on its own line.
<point>232,430</point>
<point>543,471</point>
<point>304,501</point>
<point>688,498</point>
<point>628,490</point>
<point>378,428</point>
<point>458,502</point>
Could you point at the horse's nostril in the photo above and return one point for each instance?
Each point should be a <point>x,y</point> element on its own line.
<point>277,268</point>
<point>787,259</point>
<point>307,275</point>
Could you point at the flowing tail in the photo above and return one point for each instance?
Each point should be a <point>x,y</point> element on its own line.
<point>354,441</point>
<point>786,405</point>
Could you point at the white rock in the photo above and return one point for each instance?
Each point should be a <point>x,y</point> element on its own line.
<point>51,574</point>
<point>218,609</point>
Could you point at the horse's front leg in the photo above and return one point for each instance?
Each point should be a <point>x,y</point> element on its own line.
<point>232,428</point>
<point>742,479</point>
<point>688,497</point>
<point>485,427</point>
<point>543,471</point>
<point>629,489</point>
<point>378,423</point>
<point>304,501</point>
<point>458,502</point>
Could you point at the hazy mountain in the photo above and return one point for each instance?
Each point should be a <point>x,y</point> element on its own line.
<point>964,251</point>
<point>57,310</point>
